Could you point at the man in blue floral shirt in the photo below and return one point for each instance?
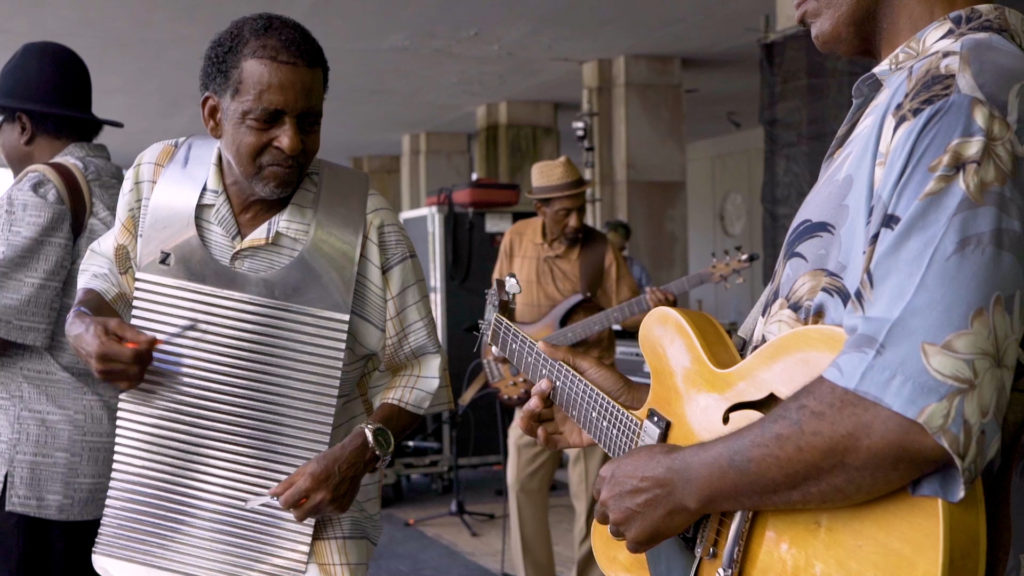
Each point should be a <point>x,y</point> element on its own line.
<point>912,240</point>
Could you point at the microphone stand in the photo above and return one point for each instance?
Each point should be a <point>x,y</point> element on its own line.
<point>457,507</point>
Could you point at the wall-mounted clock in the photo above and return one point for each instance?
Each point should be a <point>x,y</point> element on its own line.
<point>733,214</point>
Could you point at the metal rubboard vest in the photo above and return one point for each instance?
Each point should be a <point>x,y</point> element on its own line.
<point>237,401</point>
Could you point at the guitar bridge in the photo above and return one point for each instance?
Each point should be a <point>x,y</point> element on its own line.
<point>654,430</point>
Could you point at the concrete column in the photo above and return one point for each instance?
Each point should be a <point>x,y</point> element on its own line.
<point>511,136</point>
<point>597,108</point>
<point>649,161</point>
<point>432,160</point>
<point>385,176</point>
<point>409,167</point>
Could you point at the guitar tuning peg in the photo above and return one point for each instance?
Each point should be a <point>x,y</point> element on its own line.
<point>713,258</point>
<point>512,284</point>
<point>741,280</point>
<point>739,248</point>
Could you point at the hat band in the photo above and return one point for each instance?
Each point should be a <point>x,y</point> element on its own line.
<point>571,185</point>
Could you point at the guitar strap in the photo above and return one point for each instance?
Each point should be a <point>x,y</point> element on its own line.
<point>73,189</point>
<point>746,330</point>
<point>592,250</point>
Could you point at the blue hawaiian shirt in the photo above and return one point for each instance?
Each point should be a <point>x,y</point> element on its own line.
<point>912,239</point>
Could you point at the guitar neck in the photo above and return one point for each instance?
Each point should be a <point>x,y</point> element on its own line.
<point>615,429</point>
<point>591,325</point>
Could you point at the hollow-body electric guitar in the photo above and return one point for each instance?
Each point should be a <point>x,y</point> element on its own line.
<point>701,390</point>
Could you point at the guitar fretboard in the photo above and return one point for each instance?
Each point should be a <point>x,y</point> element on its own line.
<point>616,430</point>
<point>577,331</point>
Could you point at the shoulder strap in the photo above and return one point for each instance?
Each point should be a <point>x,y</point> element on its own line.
<point>73,189</point>
<point>742,337</point>
<point>592,251</point>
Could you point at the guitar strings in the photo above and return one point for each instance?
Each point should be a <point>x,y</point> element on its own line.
<point>576,331</point>
<point>579,399</point>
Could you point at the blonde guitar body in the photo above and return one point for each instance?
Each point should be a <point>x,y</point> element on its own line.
<point>698,378</point>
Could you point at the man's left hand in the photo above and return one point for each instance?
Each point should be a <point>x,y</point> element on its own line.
<point>328,483</point>
<point>641,497</point>
<point>658,297</point>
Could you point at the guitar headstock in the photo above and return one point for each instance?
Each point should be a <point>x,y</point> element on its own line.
<point>500,301</point>
<point>512,387</point>
<point>722,270</point>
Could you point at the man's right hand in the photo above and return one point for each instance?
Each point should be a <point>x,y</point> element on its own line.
<point>117,353</point>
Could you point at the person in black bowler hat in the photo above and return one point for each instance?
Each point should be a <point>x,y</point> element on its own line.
<point>56,419</point>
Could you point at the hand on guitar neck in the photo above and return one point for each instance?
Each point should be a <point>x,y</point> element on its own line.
<point>550,425</point>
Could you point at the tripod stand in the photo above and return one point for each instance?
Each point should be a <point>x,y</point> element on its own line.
<point>457,507</point>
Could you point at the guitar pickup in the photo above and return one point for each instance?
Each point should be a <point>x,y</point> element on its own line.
<point>654,430</point>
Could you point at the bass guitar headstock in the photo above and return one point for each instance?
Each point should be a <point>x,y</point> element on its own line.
<point>731,264</point>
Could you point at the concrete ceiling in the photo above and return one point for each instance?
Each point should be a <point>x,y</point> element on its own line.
<point>400,66</point>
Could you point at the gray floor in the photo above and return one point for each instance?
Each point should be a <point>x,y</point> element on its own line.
<point>407,551</point>
<point>443,546</point>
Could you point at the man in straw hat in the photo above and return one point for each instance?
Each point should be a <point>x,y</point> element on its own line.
<point>56,419</point>
<point>555,255</point>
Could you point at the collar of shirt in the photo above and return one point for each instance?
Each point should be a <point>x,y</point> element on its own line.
<point>294,221</point>
<point>84,150</point>
<point>555,250</point>
<point>985,18</point>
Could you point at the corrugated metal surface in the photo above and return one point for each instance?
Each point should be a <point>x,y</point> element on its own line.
<point>227,410</point>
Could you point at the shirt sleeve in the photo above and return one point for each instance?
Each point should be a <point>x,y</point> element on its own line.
<point>110,262</point>
<point>411,355</point>
<point>936,323</point>
<point>36,252</point>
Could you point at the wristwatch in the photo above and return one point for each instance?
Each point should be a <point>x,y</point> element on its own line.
<point>380,439</point>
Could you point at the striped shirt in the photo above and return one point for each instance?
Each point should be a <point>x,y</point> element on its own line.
<point>392,354</point>
<point>56,419</point>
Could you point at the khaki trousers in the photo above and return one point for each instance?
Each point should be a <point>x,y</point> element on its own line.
<point>530,471</point>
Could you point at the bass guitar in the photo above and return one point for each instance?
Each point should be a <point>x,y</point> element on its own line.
<point>574,320</point>
<point>701,390</point>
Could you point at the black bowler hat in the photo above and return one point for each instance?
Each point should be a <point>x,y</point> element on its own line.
<point>51,78</point>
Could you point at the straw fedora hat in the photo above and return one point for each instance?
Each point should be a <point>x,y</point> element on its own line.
<point>555,179</point>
